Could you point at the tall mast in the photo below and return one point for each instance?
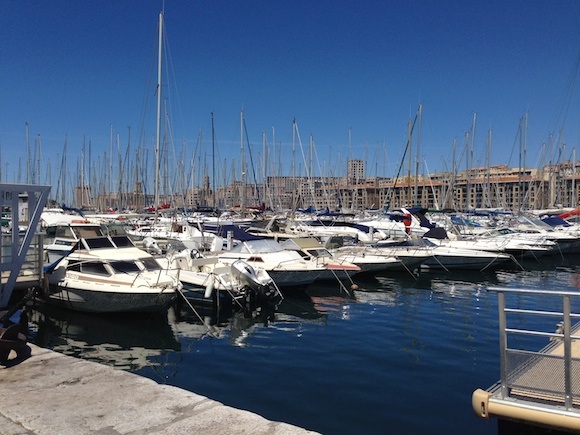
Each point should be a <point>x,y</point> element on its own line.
<point>488,170</point>
<point>110,184</point>
<point>82,175</point>
<point>28,165</point>
<point>525,143</point>
<point>37,174</point>
<point>469,157</point>
<point>573,203</point>
<point>409,150</point>
<point>158,127</point>
<point>418,159</point>
<point>243,163</point>
<point>213,186</point>
<point>453,174</point>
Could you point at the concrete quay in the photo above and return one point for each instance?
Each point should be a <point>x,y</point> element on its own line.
<point>50,393</point>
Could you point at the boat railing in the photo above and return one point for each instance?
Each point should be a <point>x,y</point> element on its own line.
<point>548,375</point>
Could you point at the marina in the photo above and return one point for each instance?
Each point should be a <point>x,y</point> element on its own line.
<point>167,280</point>
<point>327,355</point>
<point>325,360</point>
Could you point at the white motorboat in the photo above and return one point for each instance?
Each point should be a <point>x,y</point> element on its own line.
<point>374,260</point>
<point>207,279</point>
<point>63,235</point>
<point>447,255</point>
<point>311,249</point>
<point>109,274</point>
<point>167,231</point>
<point>506,240</point>
<point>287,268</point>
<point>324,228</point>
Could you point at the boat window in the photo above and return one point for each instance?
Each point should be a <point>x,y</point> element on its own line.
<point>94,267</point>
<point>113,229</point>
<point>263,246</point>
<point>50,231</point>
<point>64,231</point>
<point>88,232</point>
<point>75,267</point>
<point>304,254</point>
<point>124,266</point>
<point>427,242</point>
<point>151,263</point>
<point>319,252</point>
<point>99,242</point>
<point>122,241</point>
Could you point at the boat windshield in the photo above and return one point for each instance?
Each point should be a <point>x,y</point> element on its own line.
<point>150,263</point>
<point>124,266</point>
<point>319,252</point>
<point>93,267</point>
<point>77,232</point>
<point>258,247</point>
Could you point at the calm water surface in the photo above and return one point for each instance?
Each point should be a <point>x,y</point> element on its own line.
<point>400,355</point>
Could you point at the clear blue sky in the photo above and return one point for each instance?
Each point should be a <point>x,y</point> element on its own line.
<point>351,73</point>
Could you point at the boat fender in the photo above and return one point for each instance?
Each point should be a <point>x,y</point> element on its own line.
<point>209,289</point>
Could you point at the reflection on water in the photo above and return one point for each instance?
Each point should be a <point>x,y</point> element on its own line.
<point>128,342</point>
<point>134,341</point>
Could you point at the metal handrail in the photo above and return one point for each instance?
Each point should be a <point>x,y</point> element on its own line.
<point>565,334</point>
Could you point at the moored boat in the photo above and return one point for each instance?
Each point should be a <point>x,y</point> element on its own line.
<point>109,274</point>
<point>310,248</point>
<point>287,268</point>
<point>207,279</point>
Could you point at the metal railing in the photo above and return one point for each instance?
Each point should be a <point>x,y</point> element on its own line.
<point>551,373</point>
<point>33,259</point>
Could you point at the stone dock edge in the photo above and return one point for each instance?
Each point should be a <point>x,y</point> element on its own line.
<point>45,392</point>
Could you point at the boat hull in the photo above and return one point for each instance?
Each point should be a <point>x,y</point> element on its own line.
<point>95,301</point>
<point>451,262</point>
<point>294,278</point>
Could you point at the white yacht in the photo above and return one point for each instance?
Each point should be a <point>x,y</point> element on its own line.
<point>286,267</point>
<point>311,249</point>
<point>109,274</point>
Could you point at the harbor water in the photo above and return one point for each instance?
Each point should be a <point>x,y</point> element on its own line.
<point>402,354</point>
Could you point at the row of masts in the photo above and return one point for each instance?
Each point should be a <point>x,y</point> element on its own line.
<point>129,186</point>
<point>105,184</point>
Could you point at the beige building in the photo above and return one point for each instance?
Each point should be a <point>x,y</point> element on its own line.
<point>496,187</point>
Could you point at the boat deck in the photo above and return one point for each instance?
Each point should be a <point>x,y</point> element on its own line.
<point>537,388</point>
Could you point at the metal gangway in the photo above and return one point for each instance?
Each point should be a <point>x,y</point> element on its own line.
<point>540,387</point>
<point>21,205</point>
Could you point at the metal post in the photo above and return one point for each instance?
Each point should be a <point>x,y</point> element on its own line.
<point>567,354</point>
<point>502,344</point>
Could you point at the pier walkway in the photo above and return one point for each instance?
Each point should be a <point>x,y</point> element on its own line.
<point>51,393</point>
<point>537,388</point>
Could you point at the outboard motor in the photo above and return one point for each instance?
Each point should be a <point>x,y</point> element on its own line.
<point>246,274</point>
<point>152,246</point>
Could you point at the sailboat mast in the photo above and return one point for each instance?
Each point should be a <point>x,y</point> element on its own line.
<point>243,163</point>
<point>418,158</point>
<point>158,127</point>
<point>213,185</point>
<point>28,164</point>
<point>471,145</point>
<point>488,170</point>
